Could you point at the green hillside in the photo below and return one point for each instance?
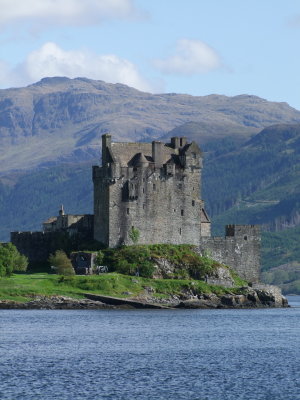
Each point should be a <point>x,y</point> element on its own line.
<point>257,183</point>
<point>37,195</point>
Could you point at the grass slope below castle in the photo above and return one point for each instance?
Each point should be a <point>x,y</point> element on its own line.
<point>164,271</point>
<point>24,287</point>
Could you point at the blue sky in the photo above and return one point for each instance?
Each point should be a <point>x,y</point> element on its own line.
<point>198,47</point>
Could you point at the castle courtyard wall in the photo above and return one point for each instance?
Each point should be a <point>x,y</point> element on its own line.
<point>239,249</point>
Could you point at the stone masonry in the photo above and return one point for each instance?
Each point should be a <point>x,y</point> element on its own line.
<point>153,188</point>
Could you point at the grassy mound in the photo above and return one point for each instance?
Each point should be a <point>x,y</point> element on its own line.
<point>188,272</point>
<point>142,259</point>
<point>22,287</point>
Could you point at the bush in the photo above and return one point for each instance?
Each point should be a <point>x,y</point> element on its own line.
<point>99,257</point>
<point>11,260</point>
<point>130,260</point>
<point>134,235</point>
<point>61,263</point>
<point>198,266</point>
<point>146,269</point>
<point>126,268</point>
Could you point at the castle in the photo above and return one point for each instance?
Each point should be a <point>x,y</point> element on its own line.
<point>153,189</point>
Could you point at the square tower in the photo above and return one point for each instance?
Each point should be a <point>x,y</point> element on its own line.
<point>152,187</point>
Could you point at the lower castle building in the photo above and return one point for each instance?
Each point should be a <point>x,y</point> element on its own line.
<point>152,189</point>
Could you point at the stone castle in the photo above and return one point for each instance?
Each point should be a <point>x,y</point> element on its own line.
<point>152,188</point>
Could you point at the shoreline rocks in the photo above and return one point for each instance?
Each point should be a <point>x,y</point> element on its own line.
<point>258,296</point>
<point>54,303</point>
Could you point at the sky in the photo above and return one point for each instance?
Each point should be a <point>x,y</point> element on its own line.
<point>198,47</point>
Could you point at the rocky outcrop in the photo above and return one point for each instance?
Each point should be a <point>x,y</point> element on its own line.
<point>54,303</point>
<point>250,297</point>
<point>220,276</point>
<point>260,296</point>
<point>164,269</point>
<point>264,296</point>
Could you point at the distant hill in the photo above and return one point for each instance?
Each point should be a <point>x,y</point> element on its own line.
<point>258,182</point>
<point>61,119</point>
<point>287,276</point>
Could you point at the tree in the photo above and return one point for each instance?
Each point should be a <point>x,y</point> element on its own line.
<point>11,260</point>
<point>99,257</point>
<point>61,263</point>
<point>134,235</point>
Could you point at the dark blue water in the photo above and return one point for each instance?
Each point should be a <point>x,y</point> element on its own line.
<point>151,354</point>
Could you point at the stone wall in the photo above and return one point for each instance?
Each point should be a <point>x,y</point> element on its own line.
<point>157,194</point>
<point>240,249</point>
<point>37,246</point>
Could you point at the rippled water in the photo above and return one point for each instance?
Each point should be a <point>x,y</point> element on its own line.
<point>151,354</point>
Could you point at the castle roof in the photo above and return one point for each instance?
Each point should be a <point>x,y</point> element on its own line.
<point>138,159</point>
<point>50,220</point>
<point>123,153</point>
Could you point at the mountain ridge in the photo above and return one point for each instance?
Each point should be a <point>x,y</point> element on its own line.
<point>55,116</point>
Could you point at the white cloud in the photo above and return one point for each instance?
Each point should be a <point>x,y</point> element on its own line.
<point>191,57</point>
<point>52,60</point>
<point>63,12</point>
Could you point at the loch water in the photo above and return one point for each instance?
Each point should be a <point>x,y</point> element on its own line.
<point>151,354</point>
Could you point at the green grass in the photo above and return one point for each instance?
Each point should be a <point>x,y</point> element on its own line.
<point>22,287</point>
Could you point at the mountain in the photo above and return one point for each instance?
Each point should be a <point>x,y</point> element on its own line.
<point>50,134</point>
<point>258,182</point>
<point>61,119</point>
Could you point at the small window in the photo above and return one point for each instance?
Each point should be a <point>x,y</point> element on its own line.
<point>193,203</point>
<point>154,186</point>
<point>245,238</point>
<point>182,212</point>
<point>143,190</point>
<point>127,211</point>
<point>174,209</point>
<point>143,206</point>
<point>179,231</point>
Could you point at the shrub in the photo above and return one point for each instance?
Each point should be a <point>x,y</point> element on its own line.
<point>146,269</point>
<point>126,268</point>
<point>99,257</point>
<point>134,235</point>
<point>62,263</point>
<point>11,260</point>
<point>198,267</point>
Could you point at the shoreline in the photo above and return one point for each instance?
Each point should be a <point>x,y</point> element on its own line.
<point>253,300</point>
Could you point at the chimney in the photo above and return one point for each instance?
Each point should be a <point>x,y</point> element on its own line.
<point>106,142</point>
<point>157,153</point>
<point>175,142</point>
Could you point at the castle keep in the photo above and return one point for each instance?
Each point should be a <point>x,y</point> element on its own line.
<point>152,188</point>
